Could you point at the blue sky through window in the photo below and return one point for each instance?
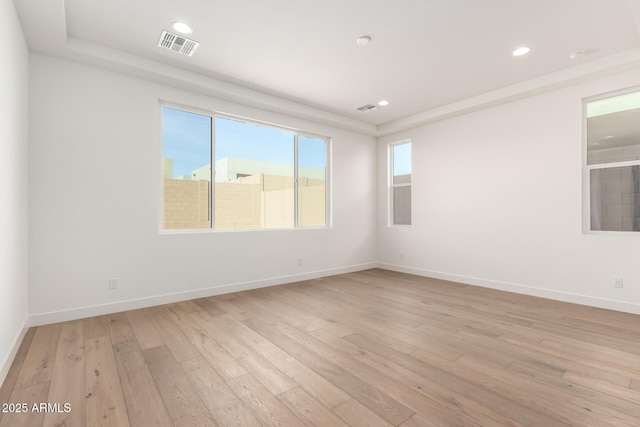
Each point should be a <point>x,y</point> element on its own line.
<point>311,152</point>
<point>186,138</point>
<point>402,159</point>
<point>248,141</point>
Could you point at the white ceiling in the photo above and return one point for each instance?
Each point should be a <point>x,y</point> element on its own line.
<point>429,58</point>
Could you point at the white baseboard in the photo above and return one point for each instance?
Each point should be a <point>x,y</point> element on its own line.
<point>610,304</point>
<point>97,310</point>
<point>5,365</point>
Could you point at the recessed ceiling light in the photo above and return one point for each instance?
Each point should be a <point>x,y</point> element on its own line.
<point>383,103</point>
<point>523,50</point>
<point>608,137</point>
<point>363,40</point>
<point>182,28</point>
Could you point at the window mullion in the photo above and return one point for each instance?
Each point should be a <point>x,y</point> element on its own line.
<point>212,178</point>
<point>295,181</point>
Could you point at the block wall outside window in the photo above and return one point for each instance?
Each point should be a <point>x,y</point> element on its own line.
<point>263,177</point>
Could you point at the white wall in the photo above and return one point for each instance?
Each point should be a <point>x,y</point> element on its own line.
<point>14,91</point>
<point>497,201</point>
<point>88,227</point>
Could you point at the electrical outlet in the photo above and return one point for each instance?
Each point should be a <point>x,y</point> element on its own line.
<point>618,282</point>
<point>113,283</point>
<point>401,255</point>
<point>300,261</point>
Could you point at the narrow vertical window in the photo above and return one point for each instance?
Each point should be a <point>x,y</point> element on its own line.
<point>400,183</point>
<point>312,175</point>
<point>613,162</point>
<point>186,170</point>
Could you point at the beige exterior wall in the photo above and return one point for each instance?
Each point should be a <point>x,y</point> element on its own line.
<point>252,202</point>
<point>185,204</point>
<point>312,202</point>
<point>277,209</point>
<point>238,204</point>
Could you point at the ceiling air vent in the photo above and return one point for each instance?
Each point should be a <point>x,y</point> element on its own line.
<point>367,107</point>
<point>177,43</point>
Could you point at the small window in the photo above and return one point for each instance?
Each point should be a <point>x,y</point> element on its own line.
<point>400,183</point>
<point>264,177</point>
<point>612,177</point>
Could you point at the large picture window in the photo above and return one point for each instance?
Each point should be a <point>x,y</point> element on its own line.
<point>261,177</point>
<point>400,183</point>
<point>612,162</point>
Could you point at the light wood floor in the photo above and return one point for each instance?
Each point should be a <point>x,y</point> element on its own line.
<point>373,348</point>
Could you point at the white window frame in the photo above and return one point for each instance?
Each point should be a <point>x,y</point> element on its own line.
<point>587,168</point>
<point>392,186</point>
<point>327,178</point>
<point>296,133</point>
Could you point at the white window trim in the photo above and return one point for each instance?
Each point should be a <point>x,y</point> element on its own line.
<point>587,168</point>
